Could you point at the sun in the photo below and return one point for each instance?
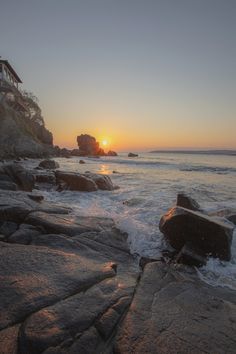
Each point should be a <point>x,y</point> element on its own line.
<point>104,142</point>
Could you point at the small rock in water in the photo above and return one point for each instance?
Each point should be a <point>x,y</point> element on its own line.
<point>131,154</point>
<point>112,153</point>
<point>81,161</point>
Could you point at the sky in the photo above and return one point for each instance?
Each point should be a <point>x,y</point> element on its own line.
<point>143,74</point>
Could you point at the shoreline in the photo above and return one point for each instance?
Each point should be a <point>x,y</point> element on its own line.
<point>75,274</point>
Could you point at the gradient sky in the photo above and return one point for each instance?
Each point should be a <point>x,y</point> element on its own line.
<point>145,74</point>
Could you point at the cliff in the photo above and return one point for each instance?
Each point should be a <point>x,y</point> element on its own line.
<point>22,135</point>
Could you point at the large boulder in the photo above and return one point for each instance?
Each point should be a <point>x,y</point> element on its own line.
<point>75,182</point>
<point>212,236</point>
<point>49,164</point>
<point>87,182</point>
<point>88,146</point>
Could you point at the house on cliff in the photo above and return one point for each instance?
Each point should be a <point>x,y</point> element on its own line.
<point>9,87</point>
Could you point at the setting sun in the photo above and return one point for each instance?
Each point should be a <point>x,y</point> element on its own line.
<point>104,142</point>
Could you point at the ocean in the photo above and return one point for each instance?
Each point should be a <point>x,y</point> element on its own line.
<point>148,186</point>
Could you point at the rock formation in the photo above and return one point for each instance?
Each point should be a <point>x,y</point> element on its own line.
<point>88,146</point>
<point>194,234</point>
<point>131,154</point>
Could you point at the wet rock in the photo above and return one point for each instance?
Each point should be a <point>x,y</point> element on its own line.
<point>67,224</point>
<point>49,164</point>
<point>112,153</point>
<point>187,202</point>
<point>232,218</point>
<point>212,237</point>
<point>131,154</point>
<point>191,256</point>
<point>75,182</point>
<point>20,176</point>
<point>174,312</point>
<point>103,182</point>
<point>81,161</point>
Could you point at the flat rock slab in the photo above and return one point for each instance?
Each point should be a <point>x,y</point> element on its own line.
<point>33,277</point>
<point>69,225</point>
<point>174,312</point>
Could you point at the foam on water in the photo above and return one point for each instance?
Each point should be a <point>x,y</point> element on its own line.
<point>148,188</point>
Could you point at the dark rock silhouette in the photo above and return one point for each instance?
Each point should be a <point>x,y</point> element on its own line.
<point>112,153</point>
<point>88,146</point>
<point>131,154</point>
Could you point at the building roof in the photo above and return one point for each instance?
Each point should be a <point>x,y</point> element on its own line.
<point>10,68</point>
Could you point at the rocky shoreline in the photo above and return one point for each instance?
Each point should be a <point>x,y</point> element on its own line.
<point>70,285</point>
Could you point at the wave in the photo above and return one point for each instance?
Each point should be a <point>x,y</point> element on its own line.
<point>213,169</point>
<point>181,167</point>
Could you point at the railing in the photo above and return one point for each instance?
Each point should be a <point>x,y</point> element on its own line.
<point>18,101</point>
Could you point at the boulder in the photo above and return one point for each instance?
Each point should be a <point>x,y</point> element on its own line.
<point>112,153</point>
<point>103,182</point>
<point>49,164</point>
<point>20,176</point>
<point>75,182</point>
<point>131,154</point>
<point>187,202</point>
<point>81,161</point>
<point>211,236</point>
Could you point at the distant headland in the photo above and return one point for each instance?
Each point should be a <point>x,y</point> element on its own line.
<point>197,152</point>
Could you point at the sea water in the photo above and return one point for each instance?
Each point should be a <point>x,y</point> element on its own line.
<point>148,186</point>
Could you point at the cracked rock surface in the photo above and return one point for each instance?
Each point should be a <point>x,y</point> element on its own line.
<point>174,312</point>
<point>69,285</point>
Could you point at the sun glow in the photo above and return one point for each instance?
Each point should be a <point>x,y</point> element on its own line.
<point>104,142</point>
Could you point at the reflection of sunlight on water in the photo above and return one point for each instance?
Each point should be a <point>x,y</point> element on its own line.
<point>104,170</point>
